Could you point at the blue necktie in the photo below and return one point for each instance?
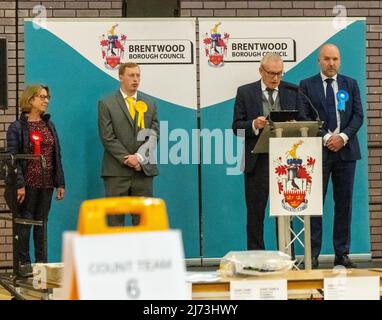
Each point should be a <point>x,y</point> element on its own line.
<point>330,105</point>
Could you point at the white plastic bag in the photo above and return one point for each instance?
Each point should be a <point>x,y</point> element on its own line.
<point>255,263</point>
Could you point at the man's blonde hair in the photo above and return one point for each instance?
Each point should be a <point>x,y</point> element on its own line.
<point>125,65</point>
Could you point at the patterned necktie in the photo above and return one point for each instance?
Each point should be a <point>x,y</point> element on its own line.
<point>330,105</point>
<point>270,94</point>
<point>130,101</point>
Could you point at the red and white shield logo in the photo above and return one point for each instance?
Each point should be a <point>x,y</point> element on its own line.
<point>216,59</point>
<point>113,61</point>
<point>294,198</point>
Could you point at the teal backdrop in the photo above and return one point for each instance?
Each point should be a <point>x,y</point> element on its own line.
<point>77,85</point>
<point>223,201</point>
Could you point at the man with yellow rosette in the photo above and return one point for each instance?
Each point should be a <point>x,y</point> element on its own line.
<point>128,129</point>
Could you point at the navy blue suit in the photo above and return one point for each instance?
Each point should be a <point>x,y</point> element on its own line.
<point>339,165</point>
<point>249,106</point>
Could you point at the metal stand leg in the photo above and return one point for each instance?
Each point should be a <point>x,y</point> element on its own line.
<point>15,242</point>
<point>288,244</point>
<point>284,235</point>
<point>307,244</point>
<point>281,230</point>
<point>281,221</point>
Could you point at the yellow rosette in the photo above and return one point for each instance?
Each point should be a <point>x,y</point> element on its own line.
<point>141,108</point>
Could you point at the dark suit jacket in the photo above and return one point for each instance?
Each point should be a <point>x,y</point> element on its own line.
<point>18,142</point>
<point>351,118</point>
<point>119,135</point>
<point>249,106</point>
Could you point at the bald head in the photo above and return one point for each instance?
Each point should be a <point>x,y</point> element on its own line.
<point>329,59</point>
<point>329,48</point>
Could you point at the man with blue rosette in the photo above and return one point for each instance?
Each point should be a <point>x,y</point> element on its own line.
<point>337,99</point>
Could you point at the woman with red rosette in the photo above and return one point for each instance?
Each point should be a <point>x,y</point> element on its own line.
<point>34,133</point>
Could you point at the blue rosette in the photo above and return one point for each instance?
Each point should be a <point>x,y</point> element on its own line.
<point>342,97</point>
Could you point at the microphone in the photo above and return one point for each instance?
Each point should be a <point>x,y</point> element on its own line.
<point>298,89</point>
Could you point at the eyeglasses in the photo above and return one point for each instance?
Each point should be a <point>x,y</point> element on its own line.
<point>43,97</point>
<point>274,74</point>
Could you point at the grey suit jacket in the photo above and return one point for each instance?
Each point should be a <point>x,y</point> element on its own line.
<point>119,135</point>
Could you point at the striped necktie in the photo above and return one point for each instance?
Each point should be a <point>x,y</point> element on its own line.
<point>270,94</point>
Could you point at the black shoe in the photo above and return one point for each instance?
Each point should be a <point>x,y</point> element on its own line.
<point>25,270</point>
<point>314,262</point>
<point>344,261</point>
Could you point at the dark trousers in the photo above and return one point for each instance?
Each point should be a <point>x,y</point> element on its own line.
<point>138,185</point>
<point>256,197</point>
<point>342,173</point>
<point>36,206</point>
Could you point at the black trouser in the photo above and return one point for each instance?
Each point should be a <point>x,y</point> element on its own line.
<point>342,174</point>
<point>256,196</point>
<point>138,185</point>
<point>36,206</point>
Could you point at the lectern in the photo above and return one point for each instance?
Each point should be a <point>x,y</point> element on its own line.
<point>294,129</point>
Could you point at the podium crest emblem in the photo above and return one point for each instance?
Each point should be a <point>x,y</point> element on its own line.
<point>294,178</point>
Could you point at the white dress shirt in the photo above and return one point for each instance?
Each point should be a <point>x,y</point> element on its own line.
<point>335,89</point>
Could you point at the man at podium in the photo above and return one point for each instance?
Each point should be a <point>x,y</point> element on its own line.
<point>253,104</point>
<point>337,100</point>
